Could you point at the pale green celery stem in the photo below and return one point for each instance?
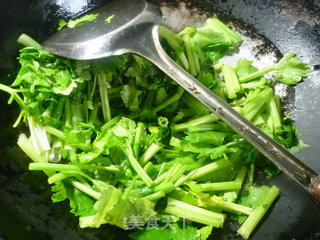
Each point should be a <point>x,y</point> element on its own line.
<point>43,166</point>
<point>160,179</point>
<point>210,168</point>
<point>55,132</point>
<point>254,84</point>
<point>103,88</point>
<point>67,112</point>
<point>191,56</point>
<point>155,196</point>
<point>161,169</point>
<point>257,74</point>
<point>196,60</point>
<point>114,90</point>
<point>175,142</point>
<point>218,26</point>
<point>137,140</point>
<point>175,172</point>
<point>27,41</point>
<point>241,176</point>
<point>231,80</point>
<point>196,214</point>
<point>39,136</point>
<point>147,167</point>
<point>275,113</point>
<point>91,93</point>
<point>252,221</point>
<point>93,114</point>
<point>149,153</point>
<point>221,186</point>
<point>66,174</point>
<point>18,119</point>
<point>251,174</point>
<point>136,166</point>
<point>164,187</point>
<point>202,120</point>
<point>253,106</point>
<point>202,128</point>
<point>88,190</point>
<point>14,94</point>
<point>88,221</point>
<point>26,145</point>
<point>218,67</point>
<point>168,102</point>
<point>149,100</point>
<point>232,207</point>
<point>111,122</point>
<point>58,111</point>
<point>184,179</point>
<point>183,59</point>
<point>173,40</point>
<point>175,43</point>
<point>238,103</point>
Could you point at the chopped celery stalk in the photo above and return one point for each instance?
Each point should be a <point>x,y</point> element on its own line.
<point>221,186</point>
<point>255,104</point>
<point>86,189</point>
<point>55,132</point>
<point>103,88</point>
<point>275,113</point>
<point>228,206</point>
<point>192,56</point>
<point>254,218</point>
<point>27,41</point>
<point>149,153</point>
<point>137,140</point>
<point>164,187</point>
<point>14,94</point>
<point>257,74</point>
<point>219,27</point>
<point>40,166</point>
<point>195,122</point>
<point>201,128</point>
<point>155,196</point>
<point>173,40</point>
<point>210,168</point>
<point>160,178</point>
<point>136,166</point>
<point>251,174</point>
<point>196,214</point>
<point>231,80</point>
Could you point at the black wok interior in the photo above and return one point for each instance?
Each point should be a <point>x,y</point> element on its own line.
<point>26,210</point>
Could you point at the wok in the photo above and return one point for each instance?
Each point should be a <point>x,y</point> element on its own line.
<point>273,27</point>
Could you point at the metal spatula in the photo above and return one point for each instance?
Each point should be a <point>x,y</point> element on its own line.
<point>134,29</point>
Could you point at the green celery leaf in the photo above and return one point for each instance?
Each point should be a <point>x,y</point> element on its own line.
<point>131,97</point>
<point>252,197</point>
<point>205,138</point>
<point>118,208</point>
<point>77,22</point>
<point>244,68</point>
<point>290,70</point>
<point>108,19</point>
<point>82,204</point>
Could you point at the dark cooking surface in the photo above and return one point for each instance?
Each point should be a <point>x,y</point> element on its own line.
<point>26,211</point>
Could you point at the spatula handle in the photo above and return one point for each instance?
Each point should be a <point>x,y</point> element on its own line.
<point>287,162</point>
<point>316,190</point>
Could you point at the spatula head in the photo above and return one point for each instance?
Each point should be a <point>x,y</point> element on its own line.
<point>127,31</point>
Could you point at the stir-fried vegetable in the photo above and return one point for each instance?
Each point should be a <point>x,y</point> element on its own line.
<point>126,145</point>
